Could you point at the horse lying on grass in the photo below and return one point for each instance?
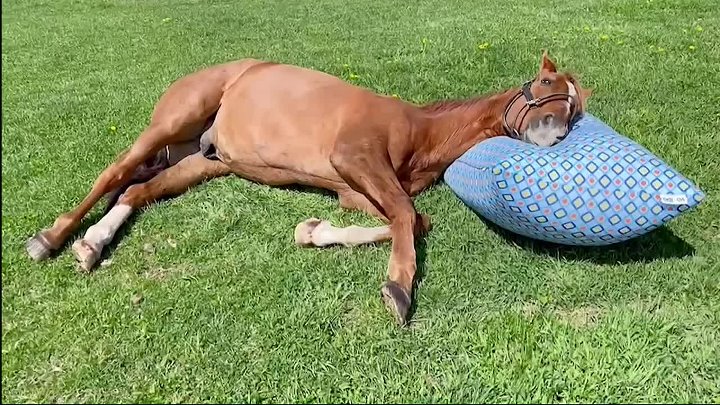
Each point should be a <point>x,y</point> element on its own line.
<point>278,124</point>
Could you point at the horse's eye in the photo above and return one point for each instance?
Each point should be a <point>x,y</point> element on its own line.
<point>545,82</point>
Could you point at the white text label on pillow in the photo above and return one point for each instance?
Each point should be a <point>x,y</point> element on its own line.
<point>671,199</point>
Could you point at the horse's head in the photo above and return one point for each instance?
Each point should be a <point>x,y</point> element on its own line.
<point>542,111</point>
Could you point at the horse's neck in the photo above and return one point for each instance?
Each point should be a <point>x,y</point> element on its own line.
<point>456,126</point>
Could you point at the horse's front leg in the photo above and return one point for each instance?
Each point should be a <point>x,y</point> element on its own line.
<point>320,233</point>
<point>315,232</point>
<point>370,172</point>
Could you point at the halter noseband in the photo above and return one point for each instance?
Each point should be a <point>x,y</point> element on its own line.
<point>531,103</point>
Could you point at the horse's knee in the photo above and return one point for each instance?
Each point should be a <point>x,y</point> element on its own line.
<point>401,209</point>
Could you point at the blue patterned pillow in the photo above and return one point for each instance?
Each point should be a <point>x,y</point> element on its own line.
<point>595,188</point>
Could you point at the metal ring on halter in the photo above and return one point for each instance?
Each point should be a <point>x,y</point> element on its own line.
<point>530,103</point>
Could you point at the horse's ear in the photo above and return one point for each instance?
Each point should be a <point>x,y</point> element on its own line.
<point>584,95</point>
<point>547,64</point>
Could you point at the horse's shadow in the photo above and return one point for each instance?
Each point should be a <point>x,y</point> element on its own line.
<point>658,244</point>
<point>420,243</point>
<point>420,258</point>
<point>662,243</point>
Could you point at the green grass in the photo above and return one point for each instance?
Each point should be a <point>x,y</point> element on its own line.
<point>233,311</point>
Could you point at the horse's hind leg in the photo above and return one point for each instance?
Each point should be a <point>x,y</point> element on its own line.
<point>180,115</point>
<point>172,181</point>
<point>115,175</point>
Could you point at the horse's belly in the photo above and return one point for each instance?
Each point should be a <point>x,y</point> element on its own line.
<point>249,147</point>
<point>279,172</point>
<point>291,132</point>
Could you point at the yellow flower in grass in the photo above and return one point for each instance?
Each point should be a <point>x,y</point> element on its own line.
<point>484,45</point>
<point>113,128</point>
<point>353,76</point>
<point>692,47</point>
<point>699,29</point>
<point>424,44</point>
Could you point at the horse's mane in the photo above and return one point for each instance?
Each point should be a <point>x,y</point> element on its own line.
<point>441,106</point>
<point>450,104</point>
<point>464,103</point>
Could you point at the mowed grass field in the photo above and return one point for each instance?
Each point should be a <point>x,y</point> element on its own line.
<point>206,298</point>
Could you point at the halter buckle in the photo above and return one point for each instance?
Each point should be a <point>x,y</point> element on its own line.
<point>533,103</point>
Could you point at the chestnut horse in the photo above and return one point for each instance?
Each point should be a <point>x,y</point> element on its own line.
<point>278,124</point>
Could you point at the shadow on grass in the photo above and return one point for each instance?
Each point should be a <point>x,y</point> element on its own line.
<point>89,221</point>
<point>420,247</point>
<point>420,259</point>
<point>659,244</point>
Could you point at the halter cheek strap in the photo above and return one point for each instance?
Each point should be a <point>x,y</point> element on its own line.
<point>529,99</point>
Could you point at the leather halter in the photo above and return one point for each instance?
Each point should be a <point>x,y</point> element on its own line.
<point>531,103</point>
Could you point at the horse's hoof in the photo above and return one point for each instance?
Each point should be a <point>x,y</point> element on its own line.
<point>86,254</point>
<point>304,230</point>
<point>396,300</point>
<point>38,248</point>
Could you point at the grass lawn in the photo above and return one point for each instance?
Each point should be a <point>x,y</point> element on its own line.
<point>231,310</point>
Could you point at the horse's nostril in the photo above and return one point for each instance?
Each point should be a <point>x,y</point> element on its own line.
<point>549,118</point>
